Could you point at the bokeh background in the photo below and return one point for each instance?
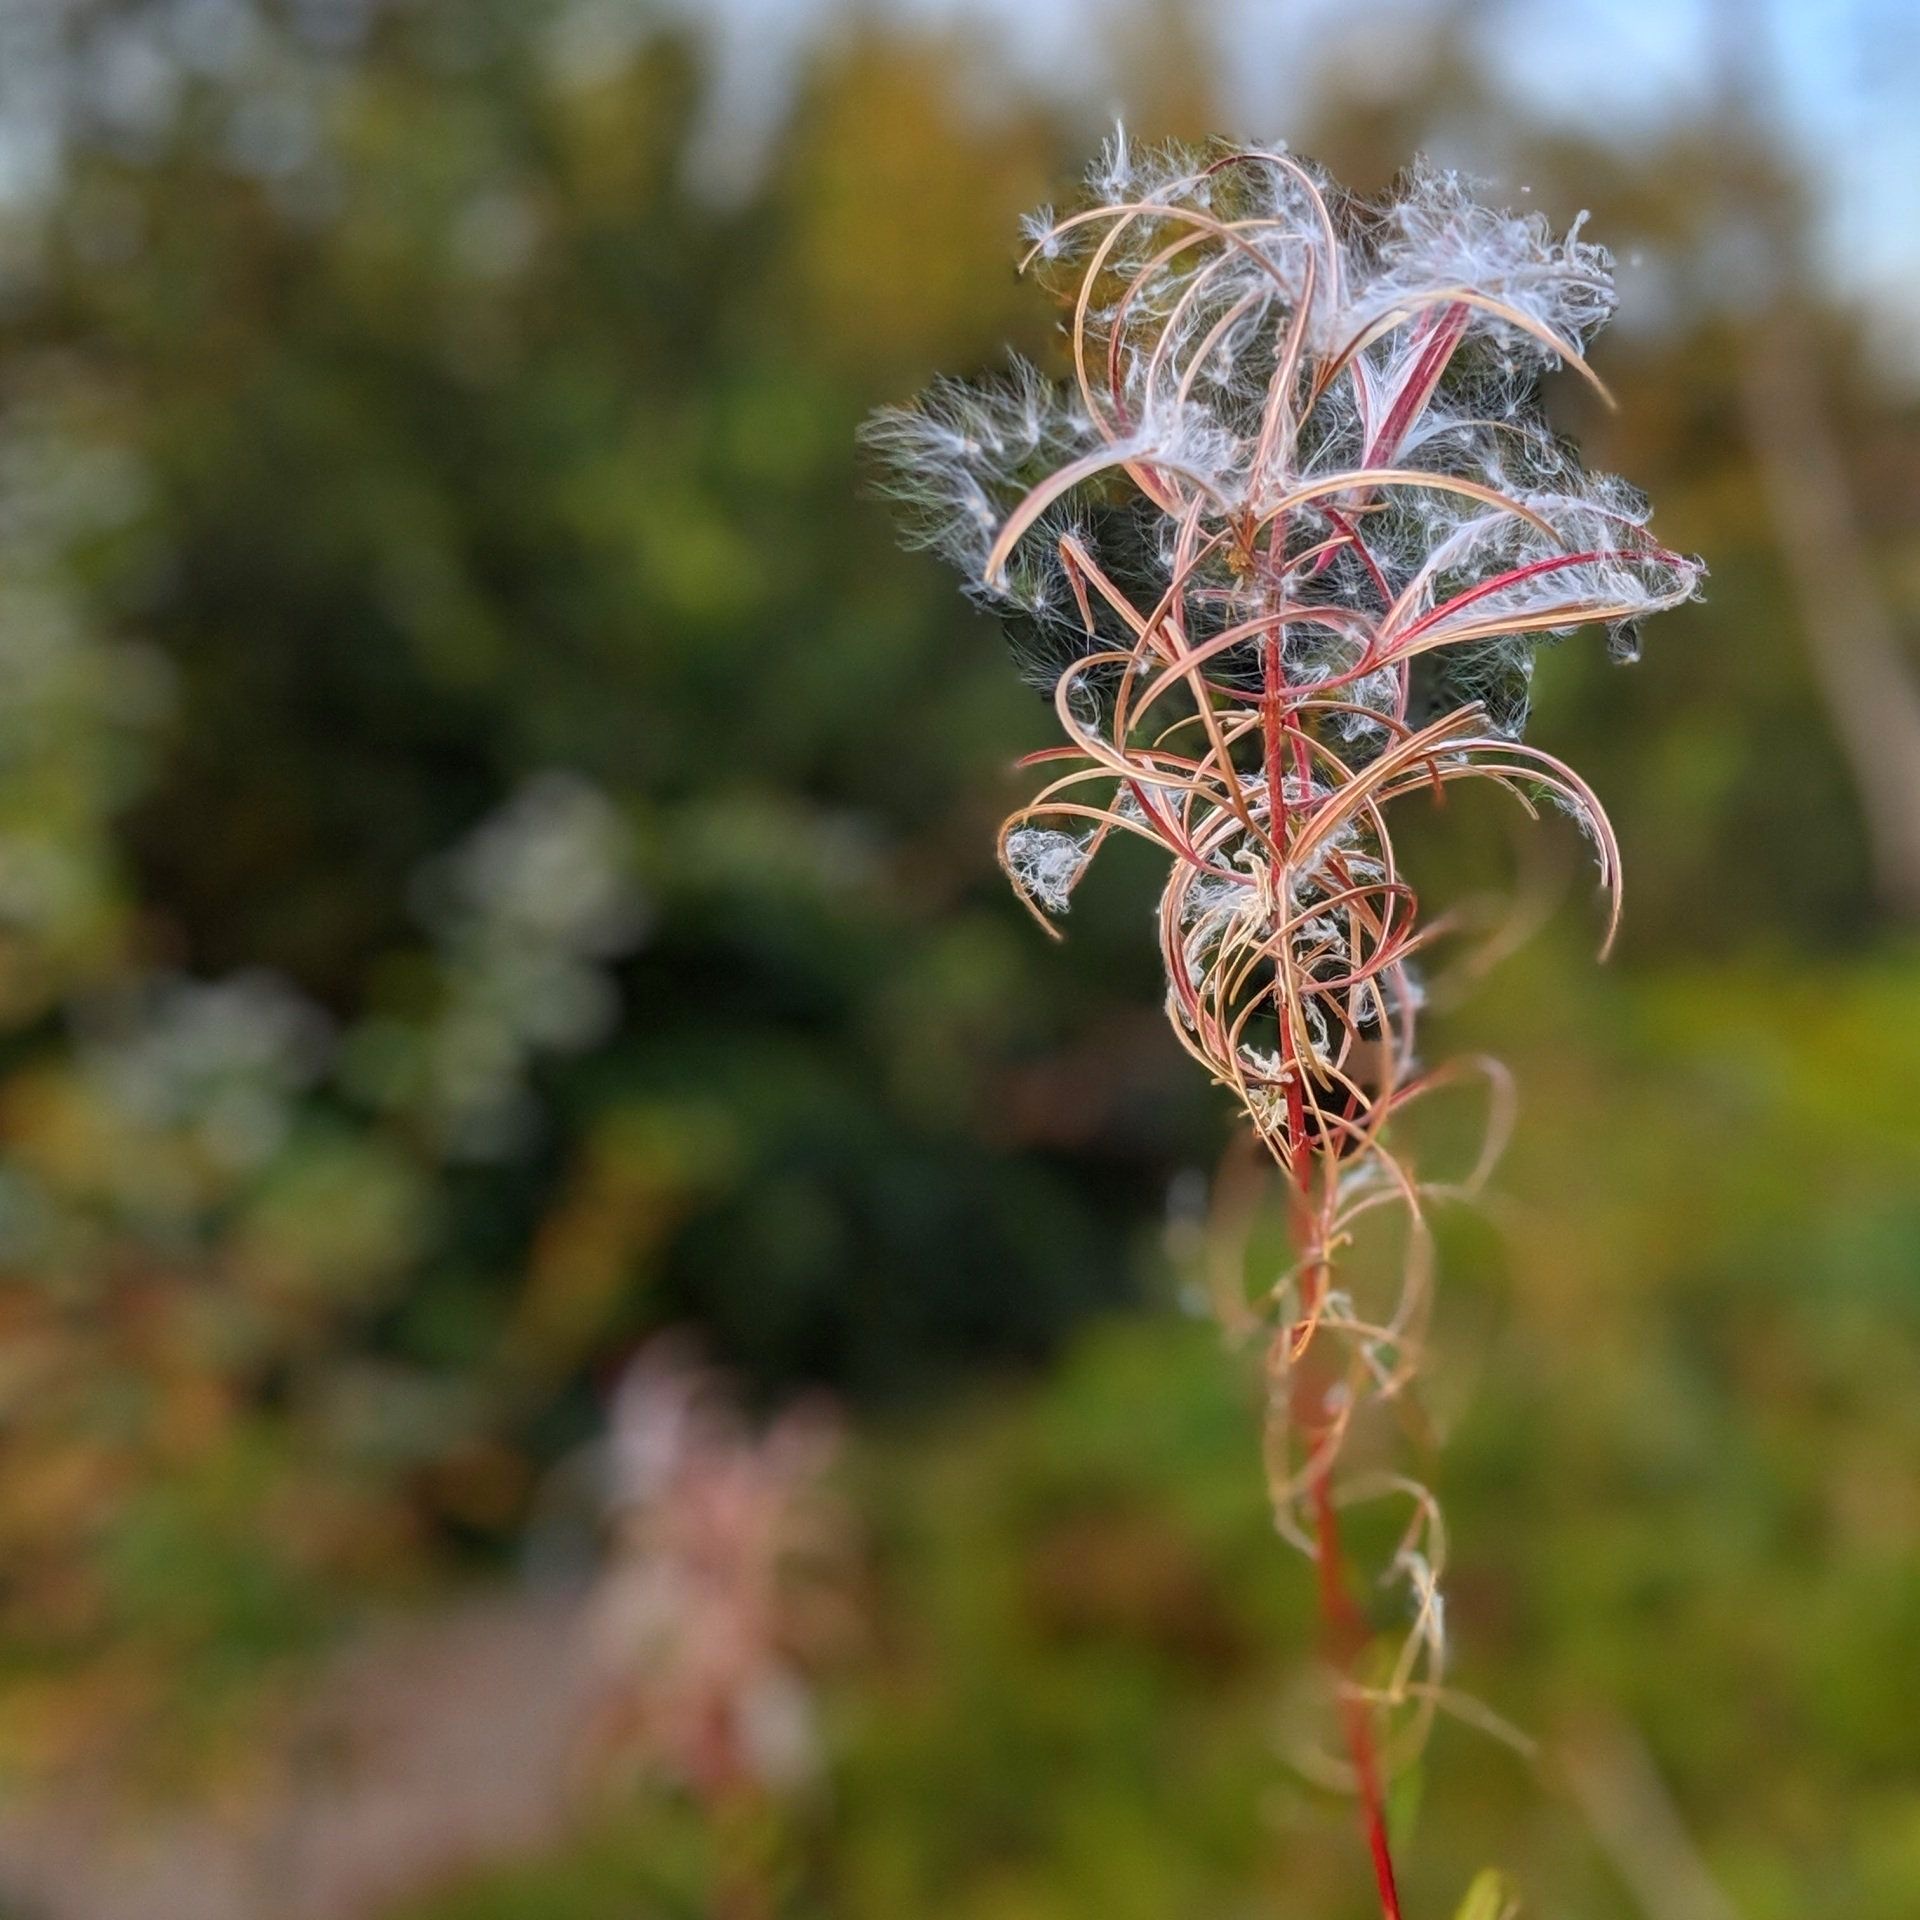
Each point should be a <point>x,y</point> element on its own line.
<point>495,866</point>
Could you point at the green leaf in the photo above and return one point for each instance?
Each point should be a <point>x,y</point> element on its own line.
<point>1491,1897</point>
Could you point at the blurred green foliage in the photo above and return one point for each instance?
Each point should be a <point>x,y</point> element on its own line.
<point>392,427</point>
<point>495,857</point>
<point>1679,1471</point>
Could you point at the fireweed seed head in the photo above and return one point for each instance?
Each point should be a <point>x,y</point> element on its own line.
<point>1281,549</point>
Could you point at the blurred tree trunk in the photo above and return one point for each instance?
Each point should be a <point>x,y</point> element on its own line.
<point>1867,681</point>
<point>1864,675</point>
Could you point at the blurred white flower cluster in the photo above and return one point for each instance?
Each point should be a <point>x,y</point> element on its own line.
<point>525,914</point>
<point>221,1061</point>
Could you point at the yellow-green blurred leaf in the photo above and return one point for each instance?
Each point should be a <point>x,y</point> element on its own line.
<point>1491,1897</point>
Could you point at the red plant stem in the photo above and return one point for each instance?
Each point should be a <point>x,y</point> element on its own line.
<point>1273,686</point>
<point>1346,1632</point>
<point>1343,1629</point>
